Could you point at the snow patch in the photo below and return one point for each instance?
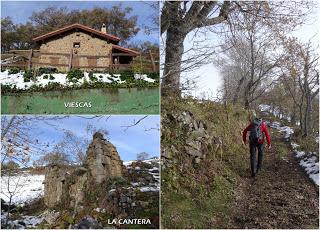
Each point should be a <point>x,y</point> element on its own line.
<point>143,77</point>
<point>287,130</point>
<point>299,154</point>
<point>149,189</point>
<point>26,186</point>
<point>294,145</point>
<point>311,167</point>
<point>17,80</point>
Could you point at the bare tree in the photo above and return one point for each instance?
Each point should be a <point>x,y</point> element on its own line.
<point>12,182</point>
<point>142,156</point>
<point>301,75</point>
<point>178,19</point>
<point>251,61</point>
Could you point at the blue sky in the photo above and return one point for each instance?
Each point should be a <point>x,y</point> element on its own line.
<point>143,137</point>
<point>20,11</point>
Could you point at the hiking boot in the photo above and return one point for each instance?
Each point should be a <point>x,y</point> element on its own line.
<point>253,175</point>
<point>258,170</point>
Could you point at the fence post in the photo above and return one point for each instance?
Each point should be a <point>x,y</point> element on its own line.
<point>110,62</point>
<point>140,61</point>
<point>30,59</point>
<point>152,61</point>
<point>70,60</point>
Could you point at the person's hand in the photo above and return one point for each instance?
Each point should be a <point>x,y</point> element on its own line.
<point>244,142</point>
<point>269,146</point>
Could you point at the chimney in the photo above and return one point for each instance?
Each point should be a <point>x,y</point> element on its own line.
<point>104,28</point>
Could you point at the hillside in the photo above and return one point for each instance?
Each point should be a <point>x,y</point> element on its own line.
<point>206,179</point>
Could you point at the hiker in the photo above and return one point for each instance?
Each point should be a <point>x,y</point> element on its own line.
<point>256,128</point>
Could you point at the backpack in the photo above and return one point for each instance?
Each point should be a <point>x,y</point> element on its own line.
<point>255,131</point>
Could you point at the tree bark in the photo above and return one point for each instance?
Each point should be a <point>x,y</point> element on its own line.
<point>178,22</point>
<point>172,68</point>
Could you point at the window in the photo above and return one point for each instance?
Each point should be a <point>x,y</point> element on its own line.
<point>76,45</point>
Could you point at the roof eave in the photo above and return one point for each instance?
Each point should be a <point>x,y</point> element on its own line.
<point>74,26</point>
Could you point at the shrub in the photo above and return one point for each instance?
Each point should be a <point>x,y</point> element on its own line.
<point>6,87</point>
<point>154,75</point>
<point>51,77</point>
<point>14,70</point>
<point>10,165</point>
<point>93,78</point>
<point>45,77</point>
<point>126,75</point>
<point>28,75</point>
<point>74,75</point>
<point>43,70</point>
<point>54,85</point>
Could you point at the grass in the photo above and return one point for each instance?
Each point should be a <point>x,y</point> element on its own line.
<point>201,195</point>
<point>205,209</point>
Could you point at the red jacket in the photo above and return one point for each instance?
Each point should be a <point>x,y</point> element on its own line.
<point>263,130</point>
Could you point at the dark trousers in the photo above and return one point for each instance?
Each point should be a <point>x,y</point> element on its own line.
<point>253,157</point>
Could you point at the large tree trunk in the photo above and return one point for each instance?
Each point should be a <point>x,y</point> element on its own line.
<point>172,68</point>
<point>177,20</point>
<point>307,116</point>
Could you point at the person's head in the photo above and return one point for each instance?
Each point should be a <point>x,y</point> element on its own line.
<point>257,120</point>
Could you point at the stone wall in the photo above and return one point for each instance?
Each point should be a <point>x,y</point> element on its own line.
<point>67,184</point>
<point>196,138</point>
<point>89,45</point>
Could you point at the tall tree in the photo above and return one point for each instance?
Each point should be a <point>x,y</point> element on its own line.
<point>7,34</point>
<point>178,19</point>
<point>302,77</point>
<point>117,20</point>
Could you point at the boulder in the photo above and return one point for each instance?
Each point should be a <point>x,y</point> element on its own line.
<point>88,223</point>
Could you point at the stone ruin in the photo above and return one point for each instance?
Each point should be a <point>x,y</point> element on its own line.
<point>67,183</point>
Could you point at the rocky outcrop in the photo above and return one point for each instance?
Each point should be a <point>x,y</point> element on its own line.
<point>54,181</point>
<point>67,184</point>
<point>103,160</point>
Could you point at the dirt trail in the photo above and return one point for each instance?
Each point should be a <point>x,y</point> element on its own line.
<point>281,196</point>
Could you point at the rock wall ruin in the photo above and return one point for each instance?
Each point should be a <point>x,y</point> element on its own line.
<point>68,182</point>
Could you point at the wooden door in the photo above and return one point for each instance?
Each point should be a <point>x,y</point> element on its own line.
<point>75,62</point>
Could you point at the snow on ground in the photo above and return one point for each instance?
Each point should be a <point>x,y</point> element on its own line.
<point>283,129</point>
<point>311,167</point>
<point>128,163</point>
<point>25,187</point>
<point>43,80</point>
<point>143,77</point>
<point>287,131</point>
<point>153,187</point>
<point>28,221</point>
<point>149,189</point>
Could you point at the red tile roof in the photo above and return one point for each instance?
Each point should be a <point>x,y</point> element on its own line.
<point>133,52</point>
<point>77,26</point>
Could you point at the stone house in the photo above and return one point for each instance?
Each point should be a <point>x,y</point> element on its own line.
<point>79,46</point>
